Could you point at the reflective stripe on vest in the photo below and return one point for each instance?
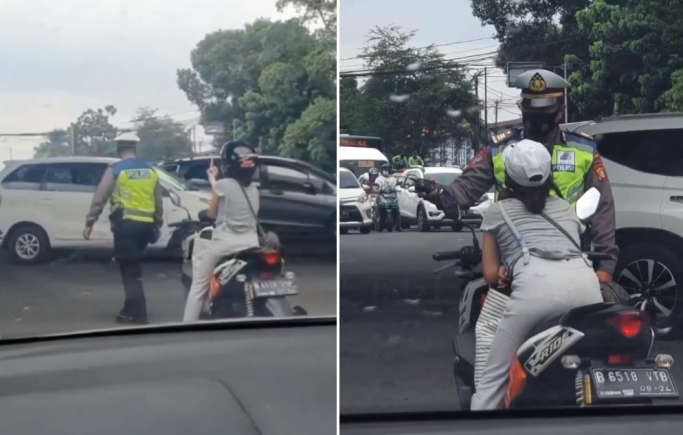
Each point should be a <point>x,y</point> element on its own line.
<point>134,191</point>
<point>571,165</point>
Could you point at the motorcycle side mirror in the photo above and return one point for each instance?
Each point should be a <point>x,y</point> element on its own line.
<point>587,205</point>
<point>175,198</point>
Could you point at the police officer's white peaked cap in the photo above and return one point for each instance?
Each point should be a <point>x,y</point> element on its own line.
<point>540,83</point>
<point>127,137</point>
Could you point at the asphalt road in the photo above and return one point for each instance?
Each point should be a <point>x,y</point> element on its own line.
<point>72,293</point>
<point>397,320</point>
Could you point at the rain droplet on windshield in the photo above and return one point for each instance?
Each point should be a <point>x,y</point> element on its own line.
<point>399,98</point>
<point>414,66</point>
<point>454,113</point>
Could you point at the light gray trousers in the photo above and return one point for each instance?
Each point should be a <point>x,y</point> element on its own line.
<point>540,289</point>
<point>205,256</point>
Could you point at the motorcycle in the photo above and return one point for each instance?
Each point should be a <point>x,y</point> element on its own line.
<point>249,283</point>
<point>387,208</point>
<point>588,356</point>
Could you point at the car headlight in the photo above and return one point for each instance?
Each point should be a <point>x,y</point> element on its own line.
<point>362,198</point>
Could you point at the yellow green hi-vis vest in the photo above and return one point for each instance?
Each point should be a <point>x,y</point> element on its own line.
<point>571,163</point>
<point>133,193</point>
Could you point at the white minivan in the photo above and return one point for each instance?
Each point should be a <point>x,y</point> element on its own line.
<point>43,204</point>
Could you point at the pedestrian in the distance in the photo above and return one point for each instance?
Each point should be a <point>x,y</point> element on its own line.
<point>136,215</point>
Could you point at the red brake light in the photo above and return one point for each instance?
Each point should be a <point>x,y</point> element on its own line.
<point>629,324</point>
<point>271,258</point>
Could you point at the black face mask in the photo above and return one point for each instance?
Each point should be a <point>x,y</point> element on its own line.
<point>539,123</point>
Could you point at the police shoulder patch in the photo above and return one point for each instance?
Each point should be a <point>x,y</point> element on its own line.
<point>501,138</point>
<point>579,139</point>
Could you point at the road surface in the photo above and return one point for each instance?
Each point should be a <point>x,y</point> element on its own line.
<point>72,294</point>
<point>397,320</point>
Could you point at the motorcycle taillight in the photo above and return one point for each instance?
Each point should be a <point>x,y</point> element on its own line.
<point>271,258</point>
<point>629,323</point>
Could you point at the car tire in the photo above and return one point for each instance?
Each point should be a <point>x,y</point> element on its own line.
<point>343,230</point>
<point>634,261</point>
<point>28,244</point>
<point>422,221</point>
<point>365,230</point>
<point>457,227</point>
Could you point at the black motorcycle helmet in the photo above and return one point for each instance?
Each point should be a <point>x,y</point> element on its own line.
<point>386,169</point>
<point>239,161</point>
<point>373,172</point>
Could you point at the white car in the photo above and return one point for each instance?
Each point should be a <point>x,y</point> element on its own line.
<point>355,208</point>
<point>478,209</point>
<point>43,204</point>
<point>415,210</point>
<point>643,159</point>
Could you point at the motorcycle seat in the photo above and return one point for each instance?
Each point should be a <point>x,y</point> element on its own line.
<point>243,253</point>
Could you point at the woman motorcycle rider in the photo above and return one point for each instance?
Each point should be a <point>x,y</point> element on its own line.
<point>235,224</point>
<point>548,273</point>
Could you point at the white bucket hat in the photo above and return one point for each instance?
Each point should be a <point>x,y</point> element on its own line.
<point>527,163</point>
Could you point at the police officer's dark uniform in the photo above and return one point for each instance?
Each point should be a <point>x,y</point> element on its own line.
<point>577,166</point>
<point>136,215</point>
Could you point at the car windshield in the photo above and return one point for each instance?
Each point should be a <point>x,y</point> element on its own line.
<point>347,180</point>
<point>443,178</point>
<point>95,88</point>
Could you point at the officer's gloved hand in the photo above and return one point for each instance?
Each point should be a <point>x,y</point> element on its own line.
<point>425,186</point>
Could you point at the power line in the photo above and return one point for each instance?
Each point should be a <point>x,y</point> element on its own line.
<point>431,46</point>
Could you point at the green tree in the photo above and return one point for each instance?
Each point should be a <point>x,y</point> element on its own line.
<point>635,57</point>
<point>416,110</point>
<point>268,78</point>
<point>161,138</point>
<point>94,136</point>
<point>543,31</point>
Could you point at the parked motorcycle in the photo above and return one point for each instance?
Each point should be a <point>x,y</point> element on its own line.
<point>249,283</point>
<point>592,355</point>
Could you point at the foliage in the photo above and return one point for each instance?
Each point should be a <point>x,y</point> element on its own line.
<point>429,104</point>
<point>160,137</point>
<point>635,57</point>
<point>272,82</point>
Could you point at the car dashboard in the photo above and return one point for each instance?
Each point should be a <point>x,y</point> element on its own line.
<point>255,381</point>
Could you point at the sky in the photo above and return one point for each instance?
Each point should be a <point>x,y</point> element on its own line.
<point>59,58</point>
<point>436,22</point>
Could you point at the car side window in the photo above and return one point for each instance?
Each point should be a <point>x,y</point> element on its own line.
<point>653,151</point>
<point>25,177</point>
<point>74,177</point>
<point>287,179</point>
<point>198,171</point>
<point>171,168</point>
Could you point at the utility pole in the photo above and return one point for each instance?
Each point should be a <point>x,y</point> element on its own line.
<point>475,145</point>
<point>486,103</point>
<point>72,140</point>
<point>496,113</point>
<point>566,91</point>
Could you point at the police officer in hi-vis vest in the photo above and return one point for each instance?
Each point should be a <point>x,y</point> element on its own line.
<point>576,167</point>
<point>136,215</point>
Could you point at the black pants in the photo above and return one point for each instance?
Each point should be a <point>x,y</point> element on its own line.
<point>130,240</point>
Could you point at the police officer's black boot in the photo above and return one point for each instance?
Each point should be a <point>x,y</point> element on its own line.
<point>135,305</point>
<point>397,221</point>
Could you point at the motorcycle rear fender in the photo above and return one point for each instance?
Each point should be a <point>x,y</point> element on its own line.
<point>470,297</point>
<point>541,350</point>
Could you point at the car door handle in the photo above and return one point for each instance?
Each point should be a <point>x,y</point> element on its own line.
<point>676,199</point>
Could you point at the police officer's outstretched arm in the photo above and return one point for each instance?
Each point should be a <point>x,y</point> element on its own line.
<point>475,181</point>
<point>99,201</point>
<point>604,222</point>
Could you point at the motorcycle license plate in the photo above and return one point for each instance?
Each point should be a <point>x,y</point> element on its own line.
<point>273,288</point>
<point>616,383</point>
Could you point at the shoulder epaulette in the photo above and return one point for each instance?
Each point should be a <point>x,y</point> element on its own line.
<point>501,138</point>
<point>579,139</point>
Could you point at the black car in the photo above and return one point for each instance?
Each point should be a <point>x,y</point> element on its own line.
<point>297,199</point>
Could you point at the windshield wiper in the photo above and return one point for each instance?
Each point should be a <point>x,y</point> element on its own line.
<point>167,328</point>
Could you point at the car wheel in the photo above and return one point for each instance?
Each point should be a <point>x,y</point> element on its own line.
<point>28,244</point>
<point>365,230</point>
<point>457,227</point>
<point>422,221</point>
<point>651,274</point>
<point>344,230</point>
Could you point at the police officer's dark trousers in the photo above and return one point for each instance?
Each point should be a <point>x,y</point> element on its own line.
<point>130,240</point>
